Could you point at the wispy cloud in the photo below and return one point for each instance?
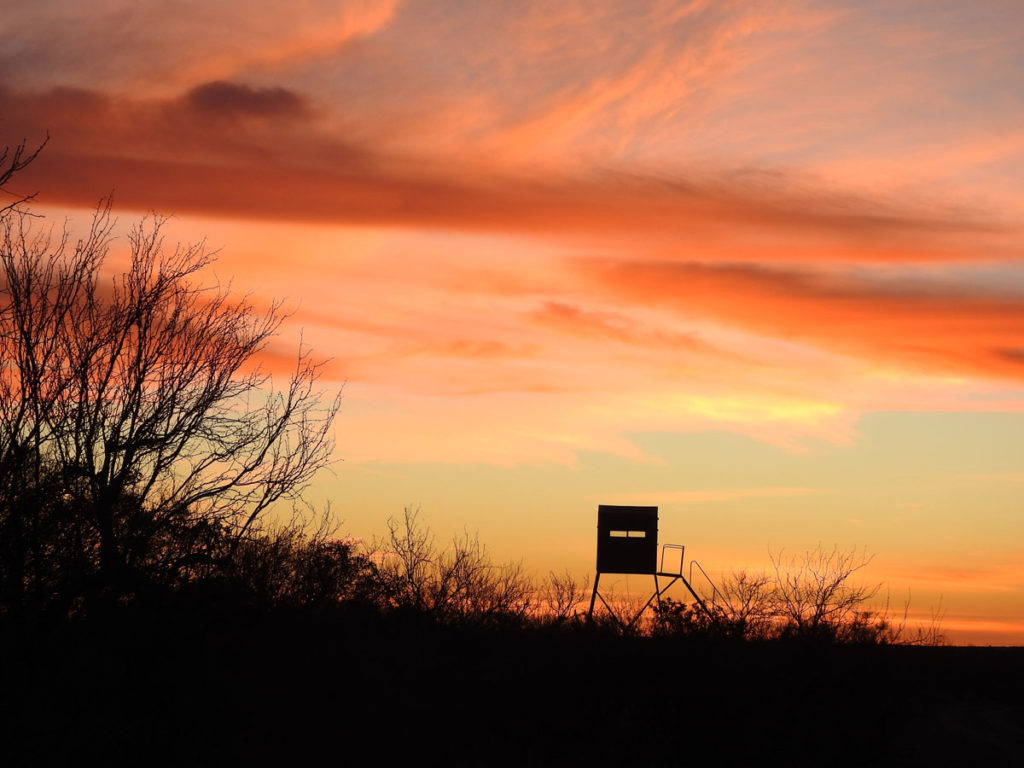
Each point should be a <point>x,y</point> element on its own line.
<point>713,495</point>
<point>659,227</point>
<point>230,149</point>
<point>922,325</point>
<point>131,46</point>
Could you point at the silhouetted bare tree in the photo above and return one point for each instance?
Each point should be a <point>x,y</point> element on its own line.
<point>747,608</point>
<point>815,595</point>
<point>140,442</point>
<point>456,583</point>
<point>809,596</point>
<point>563,594</point>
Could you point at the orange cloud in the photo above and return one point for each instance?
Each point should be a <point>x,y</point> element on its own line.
<point>127,45</point>
<point>610,326</point>
<point>543,135</point>
<point>713,495</point>
<point>931,327</point>
<point>995,577</point>
<point>357,192</point>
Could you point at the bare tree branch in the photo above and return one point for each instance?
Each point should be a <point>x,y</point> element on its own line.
<point>137,430</point>
<point>12,160</point>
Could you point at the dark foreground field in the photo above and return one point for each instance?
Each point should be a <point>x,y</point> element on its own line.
<point>357,687</point>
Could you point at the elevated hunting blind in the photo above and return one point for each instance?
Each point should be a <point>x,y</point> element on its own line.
<point>627,539</point>
<point>627,543</point>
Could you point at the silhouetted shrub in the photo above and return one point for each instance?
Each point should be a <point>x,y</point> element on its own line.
<point>562,594</point>
<point>289,566</point>
<point>458,583</point>
<point>673,618</point>
<point>811,597</point>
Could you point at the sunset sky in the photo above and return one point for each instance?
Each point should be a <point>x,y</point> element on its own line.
<point>758,263</point>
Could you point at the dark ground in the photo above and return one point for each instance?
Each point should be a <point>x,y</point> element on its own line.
<point>354,687</point>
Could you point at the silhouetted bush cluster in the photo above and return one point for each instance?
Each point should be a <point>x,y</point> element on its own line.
<point>811,597</point>
<point>454,584</point>
<point>293,567</point>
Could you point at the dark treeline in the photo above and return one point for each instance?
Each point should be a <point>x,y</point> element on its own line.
<point>209,683</point>
<point>309,650</point>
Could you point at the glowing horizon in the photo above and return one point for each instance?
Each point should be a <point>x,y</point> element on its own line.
<point>760,266</point>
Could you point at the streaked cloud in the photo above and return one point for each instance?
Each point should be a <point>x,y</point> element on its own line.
<point>224,99</point>
<point>706,496</point>
<point>921,325</point>
<point>131,46</point>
